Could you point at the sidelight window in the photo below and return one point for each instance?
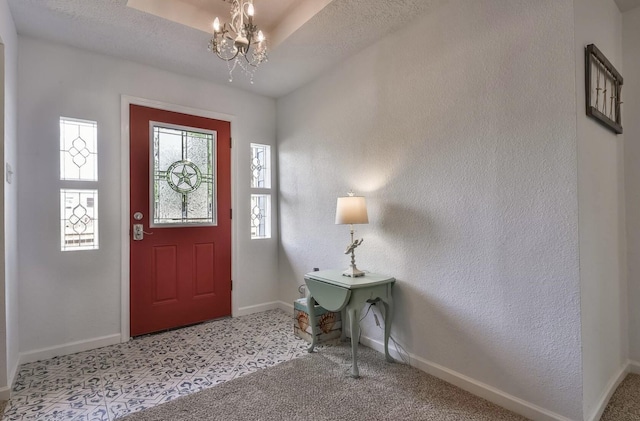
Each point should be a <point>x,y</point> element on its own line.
<point>260,214</point>
<point>79,222</point>
<point>78,150</point>
<point>260,168</point>
<point>79,177</point>
<point>260,218</point>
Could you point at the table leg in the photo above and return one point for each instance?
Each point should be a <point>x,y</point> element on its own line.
<point>354,315</point>
<point>343,321</point>
<point>312,320</point>
<point>388,316</point>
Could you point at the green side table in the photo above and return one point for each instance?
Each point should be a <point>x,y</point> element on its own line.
<point>336,292</point>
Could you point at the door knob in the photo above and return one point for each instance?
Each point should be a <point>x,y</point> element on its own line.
<point>139,232</point>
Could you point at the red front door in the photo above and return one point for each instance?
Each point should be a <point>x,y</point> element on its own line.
<point>180,265</point>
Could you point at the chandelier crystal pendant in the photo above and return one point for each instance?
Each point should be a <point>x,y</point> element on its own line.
<point>240,43</point>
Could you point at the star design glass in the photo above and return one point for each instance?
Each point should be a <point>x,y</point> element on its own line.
<point>184,190</point>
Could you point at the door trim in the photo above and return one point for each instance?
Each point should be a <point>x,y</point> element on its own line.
<point>125,102</point>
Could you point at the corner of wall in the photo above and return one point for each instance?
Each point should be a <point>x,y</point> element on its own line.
<point>9,352</point>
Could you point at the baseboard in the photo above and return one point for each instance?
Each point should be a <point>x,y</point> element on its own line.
<point>5,395</point>
<point>69,348</point>
<point>288,307</point>
<point>633,367</point>
<point>608,392</point>
<point>14,371</point>
<point>490,393</point>
<point>74,347</point>
<point>243,311</point>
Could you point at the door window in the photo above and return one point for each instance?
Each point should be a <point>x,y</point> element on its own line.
<point>183,185</point>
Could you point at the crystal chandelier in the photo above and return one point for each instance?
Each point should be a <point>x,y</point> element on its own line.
<point>239,42</point>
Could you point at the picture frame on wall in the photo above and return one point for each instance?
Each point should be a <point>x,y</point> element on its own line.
<point>603,85</point>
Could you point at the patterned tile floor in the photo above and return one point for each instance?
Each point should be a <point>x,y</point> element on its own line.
<point>109,382</point>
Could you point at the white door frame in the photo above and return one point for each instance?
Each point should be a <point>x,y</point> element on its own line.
<point>125,211</point>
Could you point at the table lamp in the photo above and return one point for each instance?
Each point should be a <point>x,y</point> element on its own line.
<point>352,210</point>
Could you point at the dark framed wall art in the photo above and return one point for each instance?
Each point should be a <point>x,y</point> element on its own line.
<point>603,86</point>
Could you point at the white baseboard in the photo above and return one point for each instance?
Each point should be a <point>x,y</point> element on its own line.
<point>5,395</point>
<point>608,392</point>
<point>14,371</point>
<point>243,311</point>
<point>74,347</point>
<point>288,307</point>
<point>633,367</point>
<point>69,348</point>
<point>473,386</point>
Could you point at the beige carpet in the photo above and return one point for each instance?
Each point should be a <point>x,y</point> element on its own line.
<point>624,405</point>
<point>318,387</point>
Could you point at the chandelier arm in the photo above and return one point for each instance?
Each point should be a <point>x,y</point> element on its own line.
<point>214,48</point>
<point>228,59</point>
<point>248,61</point>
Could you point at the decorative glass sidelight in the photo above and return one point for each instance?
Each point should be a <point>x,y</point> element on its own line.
<point>183,188</point>
<point>78,149</point>
<point>260,216</point>
<point>79,219</point>
<point>260,171</point>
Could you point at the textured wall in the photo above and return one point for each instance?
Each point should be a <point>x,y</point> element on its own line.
<point>10,121</point>
<point>631,124</point>
<point>75,296</point>
<point>460,130</point>
<point>601,215</point>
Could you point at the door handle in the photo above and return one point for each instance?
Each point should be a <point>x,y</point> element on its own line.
<point>139,232</point>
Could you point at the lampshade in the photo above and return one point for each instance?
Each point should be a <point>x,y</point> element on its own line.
<point>351,210</point>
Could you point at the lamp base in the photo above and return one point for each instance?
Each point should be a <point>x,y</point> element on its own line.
<point>353,272</point>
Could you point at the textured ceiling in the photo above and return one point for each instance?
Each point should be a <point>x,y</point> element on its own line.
<point>269,12</point>
<point>625,5</point>
<point>199,14</point>
<point>340,29</point>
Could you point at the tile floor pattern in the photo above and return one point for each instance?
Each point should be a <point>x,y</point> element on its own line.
<point>109,382</point>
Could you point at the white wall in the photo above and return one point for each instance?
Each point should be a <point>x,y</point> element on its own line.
<point>464,144</point>
<point>631,125</point>
<point>75,296</point>
<point>601,215</point>
<point>9,288</point>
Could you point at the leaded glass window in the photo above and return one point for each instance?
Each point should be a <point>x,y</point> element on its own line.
<point>183,176</point>
<point>79,219</point>
<point>260,171</point>
<point>260,216</point>
<point>78,150</point>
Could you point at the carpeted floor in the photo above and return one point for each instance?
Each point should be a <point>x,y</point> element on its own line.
<point>624,405</point>
<point>318,387</point>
